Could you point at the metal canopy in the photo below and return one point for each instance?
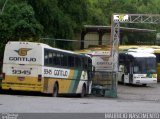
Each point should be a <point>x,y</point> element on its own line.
<point>143,18</point>
<point>101,30</point>
<point>93,28</point>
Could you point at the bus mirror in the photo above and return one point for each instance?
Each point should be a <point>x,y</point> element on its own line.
<point>121,68</point>
<point>93,68</point>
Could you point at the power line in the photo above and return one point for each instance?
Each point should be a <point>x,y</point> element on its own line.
<point>68,40</point>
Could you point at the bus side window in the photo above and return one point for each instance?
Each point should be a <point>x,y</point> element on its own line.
<point>64,60</point>
<point>50,58</point>
<point>46,58</point>
<point>71,61</point>
<point>158,57</point>
<point>58,59</point>
<point>90,64</point>
<point>54,58</point>
<point>136,69</point>
<point>81,62</point>
<point>85,63</point>
<point>89,69</point>
<point>77,62</point>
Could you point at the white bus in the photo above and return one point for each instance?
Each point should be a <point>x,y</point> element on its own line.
<point>38,67</point>
<point>137,67</point>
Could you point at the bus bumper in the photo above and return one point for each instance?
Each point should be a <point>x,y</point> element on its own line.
<point>22,87</point>
<point>145,81</point>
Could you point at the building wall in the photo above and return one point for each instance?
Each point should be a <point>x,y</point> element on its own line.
<point>92,38</point>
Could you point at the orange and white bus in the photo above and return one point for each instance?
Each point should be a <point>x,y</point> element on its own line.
<point>38,67</point>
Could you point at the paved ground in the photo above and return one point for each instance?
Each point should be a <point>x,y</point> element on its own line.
<point>150,93</point>
<point>130,99</point>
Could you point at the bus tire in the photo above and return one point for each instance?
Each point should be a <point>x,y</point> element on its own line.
<point>55,90</point>
<point>144,85</point>
<point>83,93</point>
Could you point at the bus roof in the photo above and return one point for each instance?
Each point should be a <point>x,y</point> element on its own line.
<point>140,54</point>
<point>137,46</point>
<point>42,45</point>
<point>140,48</point>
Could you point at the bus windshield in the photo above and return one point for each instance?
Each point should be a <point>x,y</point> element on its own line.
<point>144,65</point>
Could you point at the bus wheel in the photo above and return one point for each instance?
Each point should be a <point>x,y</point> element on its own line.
<point>55,90</point>
<point>83,93</point>
<point>144,85</point>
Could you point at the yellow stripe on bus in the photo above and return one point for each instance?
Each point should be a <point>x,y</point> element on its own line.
<point>64,84</point>
<point>22,83</point>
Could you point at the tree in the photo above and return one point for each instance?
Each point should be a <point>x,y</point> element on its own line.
<point>24,24</point>
<point>97,15</point>
<point>62,19</point>
<point>20,21</point>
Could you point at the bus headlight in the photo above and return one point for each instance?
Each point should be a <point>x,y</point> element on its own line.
<point>154,75</point>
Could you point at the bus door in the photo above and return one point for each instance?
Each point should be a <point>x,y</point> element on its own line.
<point>90,75</point>
<point>131,73</point>
<point>127,73</point>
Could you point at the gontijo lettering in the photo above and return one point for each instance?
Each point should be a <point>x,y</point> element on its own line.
<point>22,59</point>
<point>54,72</point>
<point>60,73</point>
<point>22,52</point>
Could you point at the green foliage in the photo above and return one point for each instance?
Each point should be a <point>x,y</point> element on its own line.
<point>124,40</point>
<point>97,13</point>
<point>5,32</point>
<point>134,7</point>
<point>62,19</point>
<point>24,24</point>
<point>18,22</point>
